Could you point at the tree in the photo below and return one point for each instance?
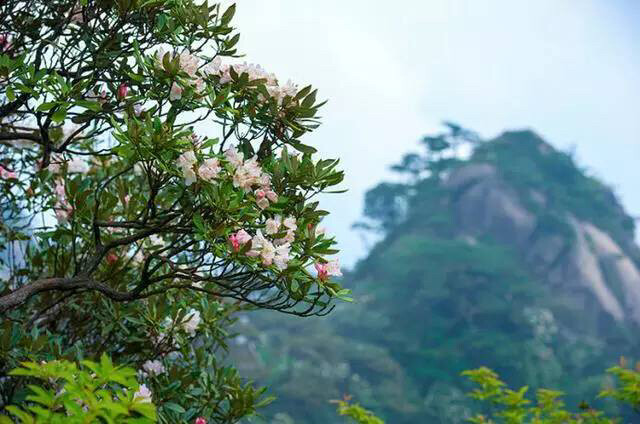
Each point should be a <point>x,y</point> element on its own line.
<point>151,185</point>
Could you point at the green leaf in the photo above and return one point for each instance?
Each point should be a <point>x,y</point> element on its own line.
<point>46,106</point>
<point>174,407</point>
<point>59,116</point>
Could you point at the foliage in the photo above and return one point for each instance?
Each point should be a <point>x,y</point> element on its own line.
<point>357,413</point>
<point>151,186</point>
<point>92,392</point>
<point>513,407</point>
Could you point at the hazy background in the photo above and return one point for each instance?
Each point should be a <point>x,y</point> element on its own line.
<point>568,69</point>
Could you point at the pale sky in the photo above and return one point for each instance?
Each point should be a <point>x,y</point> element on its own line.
<point>392,71</point>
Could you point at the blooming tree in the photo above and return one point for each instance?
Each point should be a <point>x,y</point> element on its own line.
<point>151,185</point>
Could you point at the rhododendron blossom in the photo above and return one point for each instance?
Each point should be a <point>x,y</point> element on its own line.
<point>272,225</point>
<point>192,322</point>
<point>157,190</point>
<point>209,169</point>
<point>186,162</point>
<point>238,239</point>
<point>331,268</point>
<point>176,92</point>
<point>143,394</point>
<point>154,367</point>
<point>234,157</point>
<point>268,252</point>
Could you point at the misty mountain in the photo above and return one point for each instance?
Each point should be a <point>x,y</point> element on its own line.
<point>502,253</point>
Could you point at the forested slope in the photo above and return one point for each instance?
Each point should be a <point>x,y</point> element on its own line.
<point>508,256</point>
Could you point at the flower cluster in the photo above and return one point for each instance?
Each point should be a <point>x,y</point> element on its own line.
<point>247,174</point>
<point>269,252</point>
<point>190,65</point>
<point>276,252</point>
<point>256,72</point>
<point>208,171</point>
<point>154,367</point>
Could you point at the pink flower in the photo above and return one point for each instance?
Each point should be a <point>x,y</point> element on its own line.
<point>5,174</point>
<point>209,169</point>
<point>200,420</point>
<point>326,269</point>
<point>176,92</point>
<point>235,244</point>
<point>323,274</point>
<point>238,239</point>
<point>122,91</point>
<point>243,236</point>
<point>234,157</point>
<point>272,196</point>
<point>186,162</point>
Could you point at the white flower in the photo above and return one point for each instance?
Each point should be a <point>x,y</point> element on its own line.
<point>189,63</point>
<point>191,324</point>
<point>186,162</point>
<point>234,157</point>
<point>262,247</point>
<point>209,169</point>
<point>248,174</point>
<point>290,223</point>
<point>320,231</point>
<point>288,238</point>
<point>282,256</point>
<point>273,225</point>
<point>272,196</point>
<point>333,268</point>
<point>153,367</point>
<point>214,67</point>
<point>143,393</point>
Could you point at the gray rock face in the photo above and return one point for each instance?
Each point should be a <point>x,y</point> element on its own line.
<point>588,269</point>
